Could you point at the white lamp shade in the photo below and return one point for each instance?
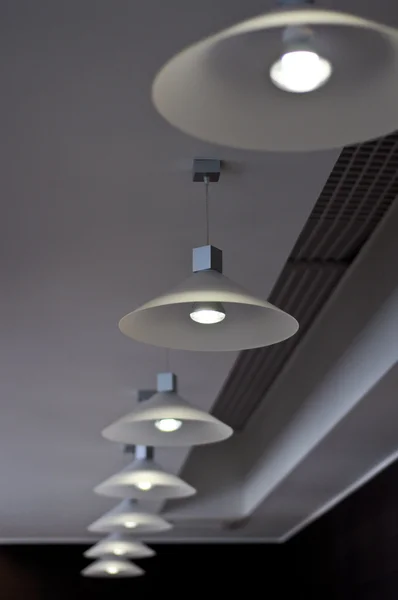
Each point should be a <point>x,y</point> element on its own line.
<point>121,546</point>
<point>249,323</point>
<point>219,89</point>
<point>138,427</point>
<point>163,485</point>
<point>127,513</point>
<point>114,568</point>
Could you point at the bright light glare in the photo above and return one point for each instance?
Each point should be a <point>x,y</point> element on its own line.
<point>144,485</point>
<point>208,314</point>
<point>112,570</point>
<point>130,524</point>
<point>300,71</point>
<point>119,551</point>
<point>168,425</point>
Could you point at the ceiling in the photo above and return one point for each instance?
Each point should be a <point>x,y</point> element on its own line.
<point>100,215</point>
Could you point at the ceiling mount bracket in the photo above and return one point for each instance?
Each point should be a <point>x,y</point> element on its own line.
<point>206,170</point>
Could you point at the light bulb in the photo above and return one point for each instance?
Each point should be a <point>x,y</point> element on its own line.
<point>112,570</point>
<point>300,71</point>
<point>144,485</point>
<point>119,551</point>
<point>208,313</point>
<point>130,524</point>
<point>168,425</point>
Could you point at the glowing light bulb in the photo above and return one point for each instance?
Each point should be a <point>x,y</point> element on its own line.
<point>130,524</point>
<point>208,313</point>
<point>112,570</point>
<point>300,71</point>
<point>144,485</point>
<point>119,551</point>
<point>168,425</point>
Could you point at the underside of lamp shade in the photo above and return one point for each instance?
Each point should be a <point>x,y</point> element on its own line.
<point>164,485</point>
<point>138,427</point>
<point>249,323</point>
<point>124,545</point>
<point>219,89</point>
<point>114,568</point>
<point>127,513</point>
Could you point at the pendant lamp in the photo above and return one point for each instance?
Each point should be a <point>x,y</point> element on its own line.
<point>208,312</point>
<point>166,419</point>
<point>144,479</point>
<point>111,567</point>
<point>121,546</point>
<point>296,79</point>
<point>127,517</point>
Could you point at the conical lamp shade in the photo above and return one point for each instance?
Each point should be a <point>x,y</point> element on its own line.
<point>112,567</point>
<point>249,323</point>
<point>121,546</point>
<point>126,517</point>
<point>219,89</point>
<point>158,484</point>
<point>139,426</point>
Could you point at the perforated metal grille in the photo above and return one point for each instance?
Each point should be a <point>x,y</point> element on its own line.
<point>359,191</point>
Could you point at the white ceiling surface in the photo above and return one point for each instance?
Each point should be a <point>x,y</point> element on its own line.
<point>99,215</point>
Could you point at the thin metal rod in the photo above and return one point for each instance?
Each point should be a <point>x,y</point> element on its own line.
<point>206,180</point>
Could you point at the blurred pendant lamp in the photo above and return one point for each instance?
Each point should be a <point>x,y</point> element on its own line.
<point>121,546</point>
<point>112,567</point>
<point>144,479</point>
<point>298,78</point>
<point>208,311</point>
<point>166,419</point>
<point>127,517</point>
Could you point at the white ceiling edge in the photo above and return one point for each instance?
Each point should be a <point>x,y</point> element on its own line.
<point>321,511</point>
<point>348,491</point>
<point>314,516</point>
<point>358,371</point>
<point>364,441</point>
<point>151,541</point>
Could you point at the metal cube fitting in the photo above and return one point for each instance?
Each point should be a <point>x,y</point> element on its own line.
<point>207,258</point>
<point>166,382</point>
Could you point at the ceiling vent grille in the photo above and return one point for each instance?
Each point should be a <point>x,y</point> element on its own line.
<point>359,191</point>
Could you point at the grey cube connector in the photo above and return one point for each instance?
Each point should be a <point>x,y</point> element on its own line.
<point>166,382</point>
<point>206,258</point>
